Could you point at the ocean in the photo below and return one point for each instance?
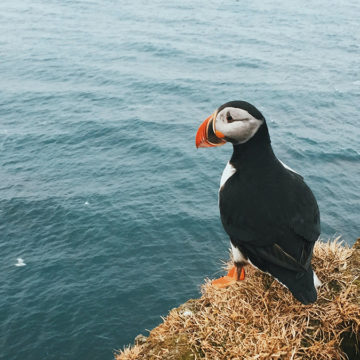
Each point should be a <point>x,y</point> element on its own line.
<point>103,194</point>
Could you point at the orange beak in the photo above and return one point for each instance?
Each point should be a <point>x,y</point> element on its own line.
<point>207,136</point>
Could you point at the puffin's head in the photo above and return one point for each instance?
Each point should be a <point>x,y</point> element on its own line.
<point>235,121</point>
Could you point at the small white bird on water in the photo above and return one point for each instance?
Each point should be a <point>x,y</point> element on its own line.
<point>20,262</point>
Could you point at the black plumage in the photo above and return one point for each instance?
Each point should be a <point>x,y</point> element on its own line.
<point>269,213</point>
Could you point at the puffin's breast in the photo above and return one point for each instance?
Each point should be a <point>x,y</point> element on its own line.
<point>227,173</point>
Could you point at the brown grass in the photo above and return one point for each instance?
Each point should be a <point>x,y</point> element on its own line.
<point>259,319</point>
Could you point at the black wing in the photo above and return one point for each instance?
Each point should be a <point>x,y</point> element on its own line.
<point>273,215</point>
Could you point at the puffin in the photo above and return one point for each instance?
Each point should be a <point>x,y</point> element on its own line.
<point>268,211</point>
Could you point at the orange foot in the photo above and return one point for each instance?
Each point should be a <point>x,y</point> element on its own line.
<point>229,279</point>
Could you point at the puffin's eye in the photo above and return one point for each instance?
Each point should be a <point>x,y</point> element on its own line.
<point>228,117</point>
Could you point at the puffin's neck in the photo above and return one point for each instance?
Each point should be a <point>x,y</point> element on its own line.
<point>257,150</point>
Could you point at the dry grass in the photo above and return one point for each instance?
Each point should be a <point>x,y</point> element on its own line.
<point>259,319</point>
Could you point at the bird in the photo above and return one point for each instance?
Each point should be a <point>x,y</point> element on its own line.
<point>268,211</point>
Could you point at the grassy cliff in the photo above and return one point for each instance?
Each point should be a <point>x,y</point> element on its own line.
<point>259,319</point>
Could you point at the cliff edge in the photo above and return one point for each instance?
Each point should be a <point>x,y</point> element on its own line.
<point>259,319</point>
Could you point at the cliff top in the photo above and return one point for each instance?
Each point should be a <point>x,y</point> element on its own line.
<point>259,319</point>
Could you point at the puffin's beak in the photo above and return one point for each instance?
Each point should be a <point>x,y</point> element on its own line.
<point>207,136</point>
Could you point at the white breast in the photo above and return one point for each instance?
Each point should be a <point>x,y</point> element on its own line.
<point>227,173</point>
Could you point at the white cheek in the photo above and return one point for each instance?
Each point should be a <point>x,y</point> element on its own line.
<point>242,129</point>
<point>245,130</point>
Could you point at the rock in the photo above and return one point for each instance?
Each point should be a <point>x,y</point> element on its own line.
<point>259,319</point>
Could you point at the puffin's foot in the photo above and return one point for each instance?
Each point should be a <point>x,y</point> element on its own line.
<point>240,271</point>
<point>234,274</point>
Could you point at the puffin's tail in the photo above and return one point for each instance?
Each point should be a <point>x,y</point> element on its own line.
<point>301,284</point>
<point>303,288</point>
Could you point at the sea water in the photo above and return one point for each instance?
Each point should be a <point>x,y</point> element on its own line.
<point>103,195</point>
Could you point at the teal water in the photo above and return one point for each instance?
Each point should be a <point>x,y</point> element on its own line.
<point>102,192</point>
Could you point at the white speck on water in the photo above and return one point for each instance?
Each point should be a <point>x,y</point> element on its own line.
<point>20,262</point>
<point>86,203</point>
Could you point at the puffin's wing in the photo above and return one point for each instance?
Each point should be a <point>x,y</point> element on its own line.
<point>276,255</point>
<point>305,218</point>
<point>278,218</point>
